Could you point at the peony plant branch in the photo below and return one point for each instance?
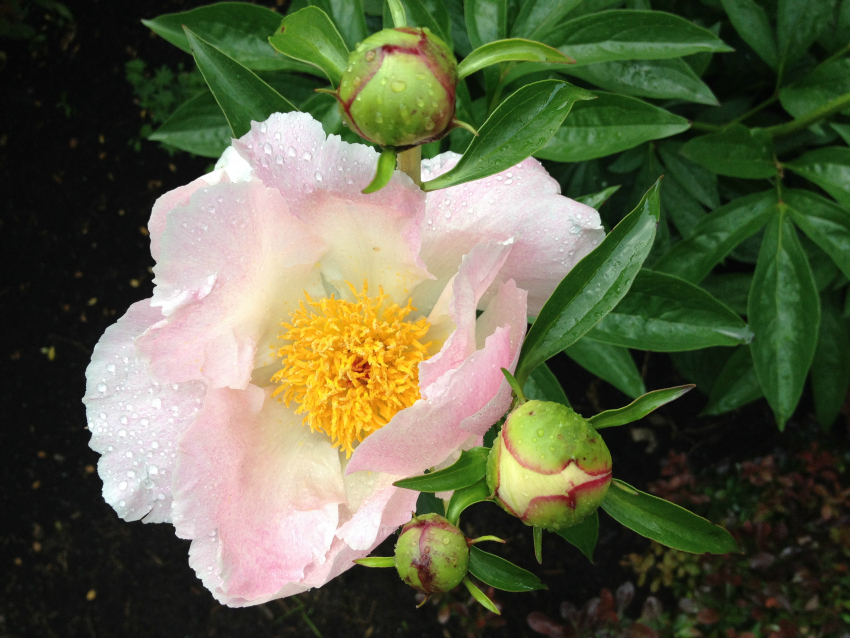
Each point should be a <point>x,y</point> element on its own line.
<point>410,162</point>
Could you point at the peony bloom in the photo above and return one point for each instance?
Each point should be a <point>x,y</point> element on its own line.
<point>307,345</point>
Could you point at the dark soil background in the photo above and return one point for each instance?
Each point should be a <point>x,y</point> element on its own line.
<point>76,198</point>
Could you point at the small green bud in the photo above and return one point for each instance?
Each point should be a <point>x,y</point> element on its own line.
<point>398,89</point>
<point>549,467</point>
<point>431,554</point>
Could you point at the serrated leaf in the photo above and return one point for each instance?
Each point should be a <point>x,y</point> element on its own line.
<point>610,363</point>
<point>631,35</point>
<point>584,535</point>
<point>665,522</point>
<point>197,126</point>
<point>309,36</point>
<point>784,314</point>
<point>824,222</point>
<point>593,287</point>
<point>716,235</point>
<point>467,470</point>
<point>501,574</point>
<point>736,151</point>
<point>608,125</point>
<point>237,29</point>
<point>516,129</point>
<point>831,366</point>
<point>513,50</point>
<point>753,25</point>
<point>829,168</point>
<point>242,96</point>
<point>663,313</point>
<point>735,386</point>
<point>542,385</point>
<point>464,497</point>
<point>638,408</point>
<point>659,79</point>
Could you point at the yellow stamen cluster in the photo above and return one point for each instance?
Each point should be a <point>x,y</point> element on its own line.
<point>350,365</point>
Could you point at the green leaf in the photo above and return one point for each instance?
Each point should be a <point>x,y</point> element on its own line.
<point>310,36</point>
<point>237,29</point>
<point>631,35</point>
<point>736,385</point>
<point>678,206</point>
<point>829,168</point>
<point>784,313</point>
<point>397,14</point>
<point>481,597</point>
<point>468,469</point>
<point>610,363</point>
<point>501,574</point>
<point>736,151</point>
<point>593,287</point>
<point>542,385</point>
<point>842,129</point>
<point>509,51</point>
<point>659,79</point>
<point>516,129</point>
<point>427,503</point>
<point>824,222</point>
<point>817,88</point>
<point>753,25</point>
<point>376,561</point>
<point>486,21</point>
<point>717,234</point>
<point>665,522</point>
<point>584,535</point>
<point>831,366</point>
<point>595,200</point>
<point>607,125</point>
<point>798,24</point>
<point>537,18</point>
<point>242,96</point>
<point>732,288</point>
<point>348,17</point>
<point>197,126</point>
<point>698,182</point>
<point>384,171</point>
<point>434,16</point>
<point>638,408</point>
<point>663,313</point>
<point>464,497</point>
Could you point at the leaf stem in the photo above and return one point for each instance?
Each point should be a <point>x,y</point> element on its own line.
<point>397,12</point>
<point>834,106</point>
<point>705,126</point>
<point>410,162</point>
<point>755,110</point>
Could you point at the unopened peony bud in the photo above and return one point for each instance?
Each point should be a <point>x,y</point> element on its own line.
<point>399,88</point>
<point>431,554</point>
<point>548,466</point>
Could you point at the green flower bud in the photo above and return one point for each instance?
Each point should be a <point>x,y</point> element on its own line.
<point>431,554</point>
<point>399,88</point>
<point>549,467</point>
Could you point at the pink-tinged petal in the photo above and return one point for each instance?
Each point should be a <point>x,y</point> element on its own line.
<point>372,237</point>
<point>552,232</point>
<point>234,263</point>
<point>229,168</point>
<point>136,423</point>
<point>253,478</point>
<point>424,434</point>
<point>477,271</point>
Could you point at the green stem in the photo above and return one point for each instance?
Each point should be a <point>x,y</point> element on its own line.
<point>410,162</point>
<point>834,106</point>
<point>397,12</point>
<point>755,109</point>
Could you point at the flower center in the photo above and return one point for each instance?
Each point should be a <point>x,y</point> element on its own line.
<point>350,365</point>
